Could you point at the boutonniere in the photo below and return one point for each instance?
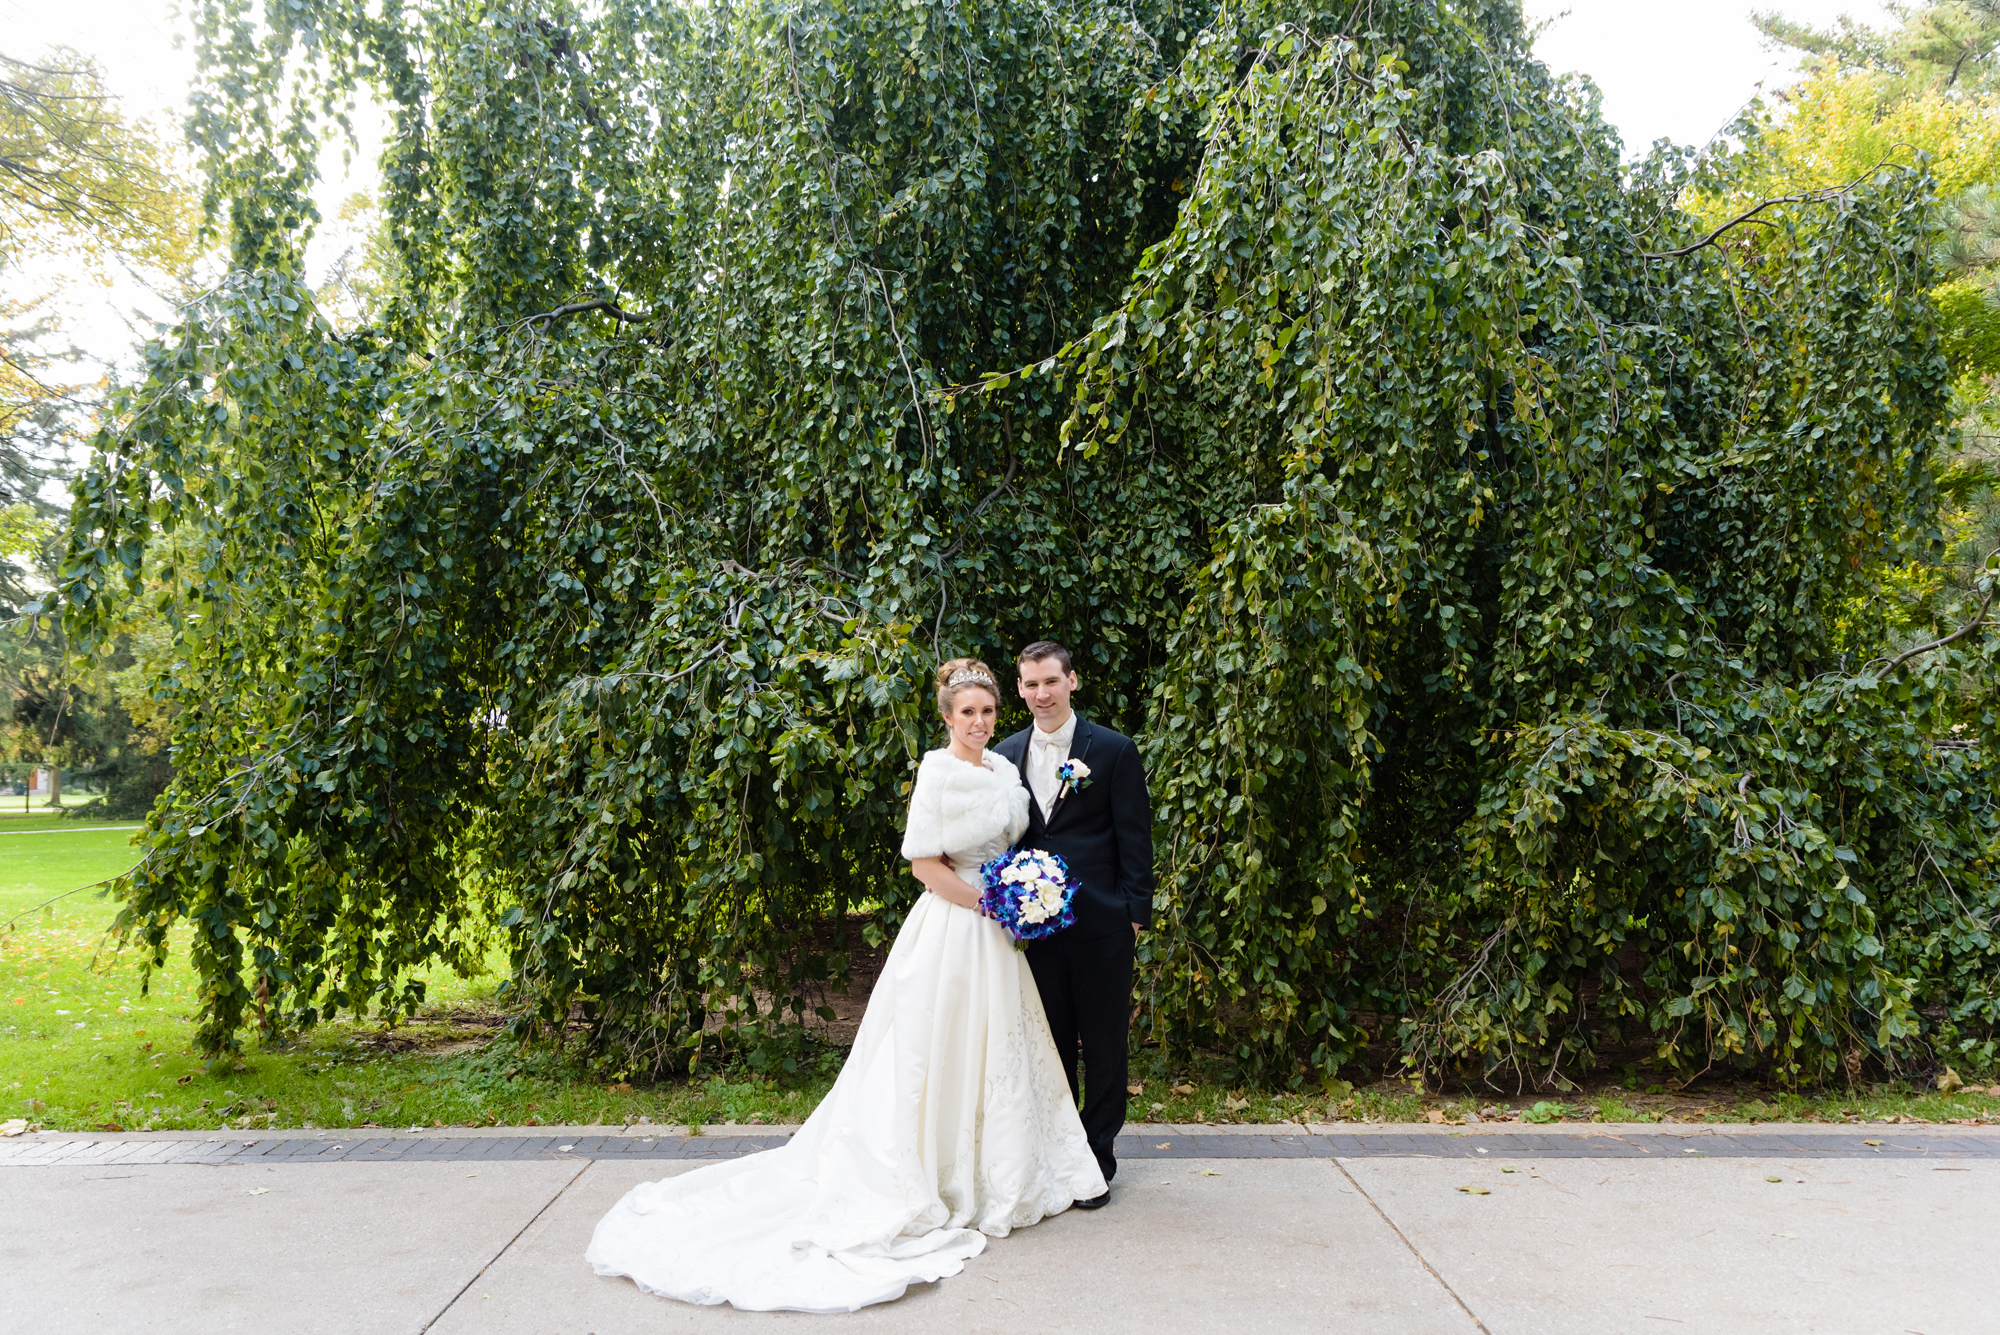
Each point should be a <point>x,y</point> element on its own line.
<point>1074,777</point>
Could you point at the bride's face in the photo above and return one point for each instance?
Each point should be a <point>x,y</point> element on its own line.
<point>973,714</point>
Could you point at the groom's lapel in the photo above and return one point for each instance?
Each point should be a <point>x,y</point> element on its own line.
<point>1079,749</point>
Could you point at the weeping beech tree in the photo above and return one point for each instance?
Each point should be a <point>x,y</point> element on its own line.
<point>1482,550</point>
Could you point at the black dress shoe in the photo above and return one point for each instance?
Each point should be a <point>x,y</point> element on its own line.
<point>1094,1203</point>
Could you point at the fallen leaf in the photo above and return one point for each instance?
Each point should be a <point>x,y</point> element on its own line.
<point>1162,1145</point>
<point>1774,1179</point>
<point>1137,1089</point>
<point>259,1191</point>
<point>1434,1115</point>
<point>14,1126</point>
<point>1476,1191</point>
<point>109,1126</point>
<point>184,1080</point>
<point>1950,1082</point>
<point>1183,1089</point>
<point>1871,1142</point>
<point>1508,1170</point>
<point>1994,1090</point>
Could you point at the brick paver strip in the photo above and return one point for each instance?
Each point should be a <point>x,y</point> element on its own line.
<point>78,1151</point>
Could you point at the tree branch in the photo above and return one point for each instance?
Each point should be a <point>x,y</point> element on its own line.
<point>605,304</point>
<point>1978,618</point>
<point>1013,463</point>
<point>1750,215</point>
<point>1958,65</point>
<point>25,913</point>
<point>1013,466</point>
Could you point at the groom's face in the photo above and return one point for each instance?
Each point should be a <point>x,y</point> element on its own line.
<point>1046,689</point>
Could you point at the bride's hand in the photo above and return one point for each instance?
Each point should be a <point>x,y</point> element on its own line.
<point>946,884</point>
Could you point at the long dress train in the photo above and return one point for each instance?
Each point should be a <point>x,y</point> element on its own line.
<point>950,1123</point>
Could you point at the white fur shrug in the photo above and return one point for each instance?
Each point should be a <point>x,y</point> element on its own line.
<point>972,812</point>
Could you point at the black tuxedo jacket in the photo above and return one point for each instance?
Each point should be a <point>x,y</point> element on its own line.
<point>1104,831</point>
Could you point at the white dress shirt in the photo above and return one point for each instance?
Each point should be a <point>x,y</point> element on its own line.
<point>1046,752</point>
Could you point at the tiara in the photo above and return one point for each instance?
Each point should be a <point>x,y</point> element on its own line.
<point>964,675</point>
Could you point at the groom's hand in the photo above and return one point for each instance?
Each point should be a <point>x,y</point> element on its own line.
<point>1136,929</point>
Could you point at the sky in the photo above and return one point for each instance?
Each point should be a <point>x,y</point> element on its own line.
<point>134,42</point>
<point>1679,71</point>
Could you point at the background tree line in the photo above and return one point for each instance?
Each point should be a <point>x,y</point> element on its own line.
<point>84,191</point>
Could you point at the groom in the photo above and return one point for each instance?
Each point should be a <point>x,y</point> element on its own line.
<point>1099,821</point>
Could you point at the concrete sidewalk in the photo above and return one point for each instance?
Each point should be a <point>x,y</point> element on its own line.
<point>106,1236</point>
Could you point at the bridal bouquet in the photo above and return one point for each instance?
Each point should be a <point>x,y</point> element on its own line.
<point>1029,893</point>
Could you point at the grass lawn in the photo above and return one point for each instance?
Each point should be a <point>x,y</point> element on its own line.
<point>38,809</point>
<point>82,1049</point>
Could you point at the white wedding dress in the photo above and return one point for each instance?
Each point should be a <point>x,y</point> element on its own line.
<point>951,1122</point>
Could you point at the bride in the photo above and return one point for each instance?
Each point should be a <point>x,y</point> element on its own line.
<point>951,1122</point>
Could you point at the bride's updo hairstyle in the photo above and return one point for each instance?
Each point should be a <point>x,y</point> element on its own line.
<point>964,674</point>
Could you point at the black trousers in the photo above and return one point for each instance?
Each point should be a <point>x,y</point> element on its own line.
<point>1086,987</point>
